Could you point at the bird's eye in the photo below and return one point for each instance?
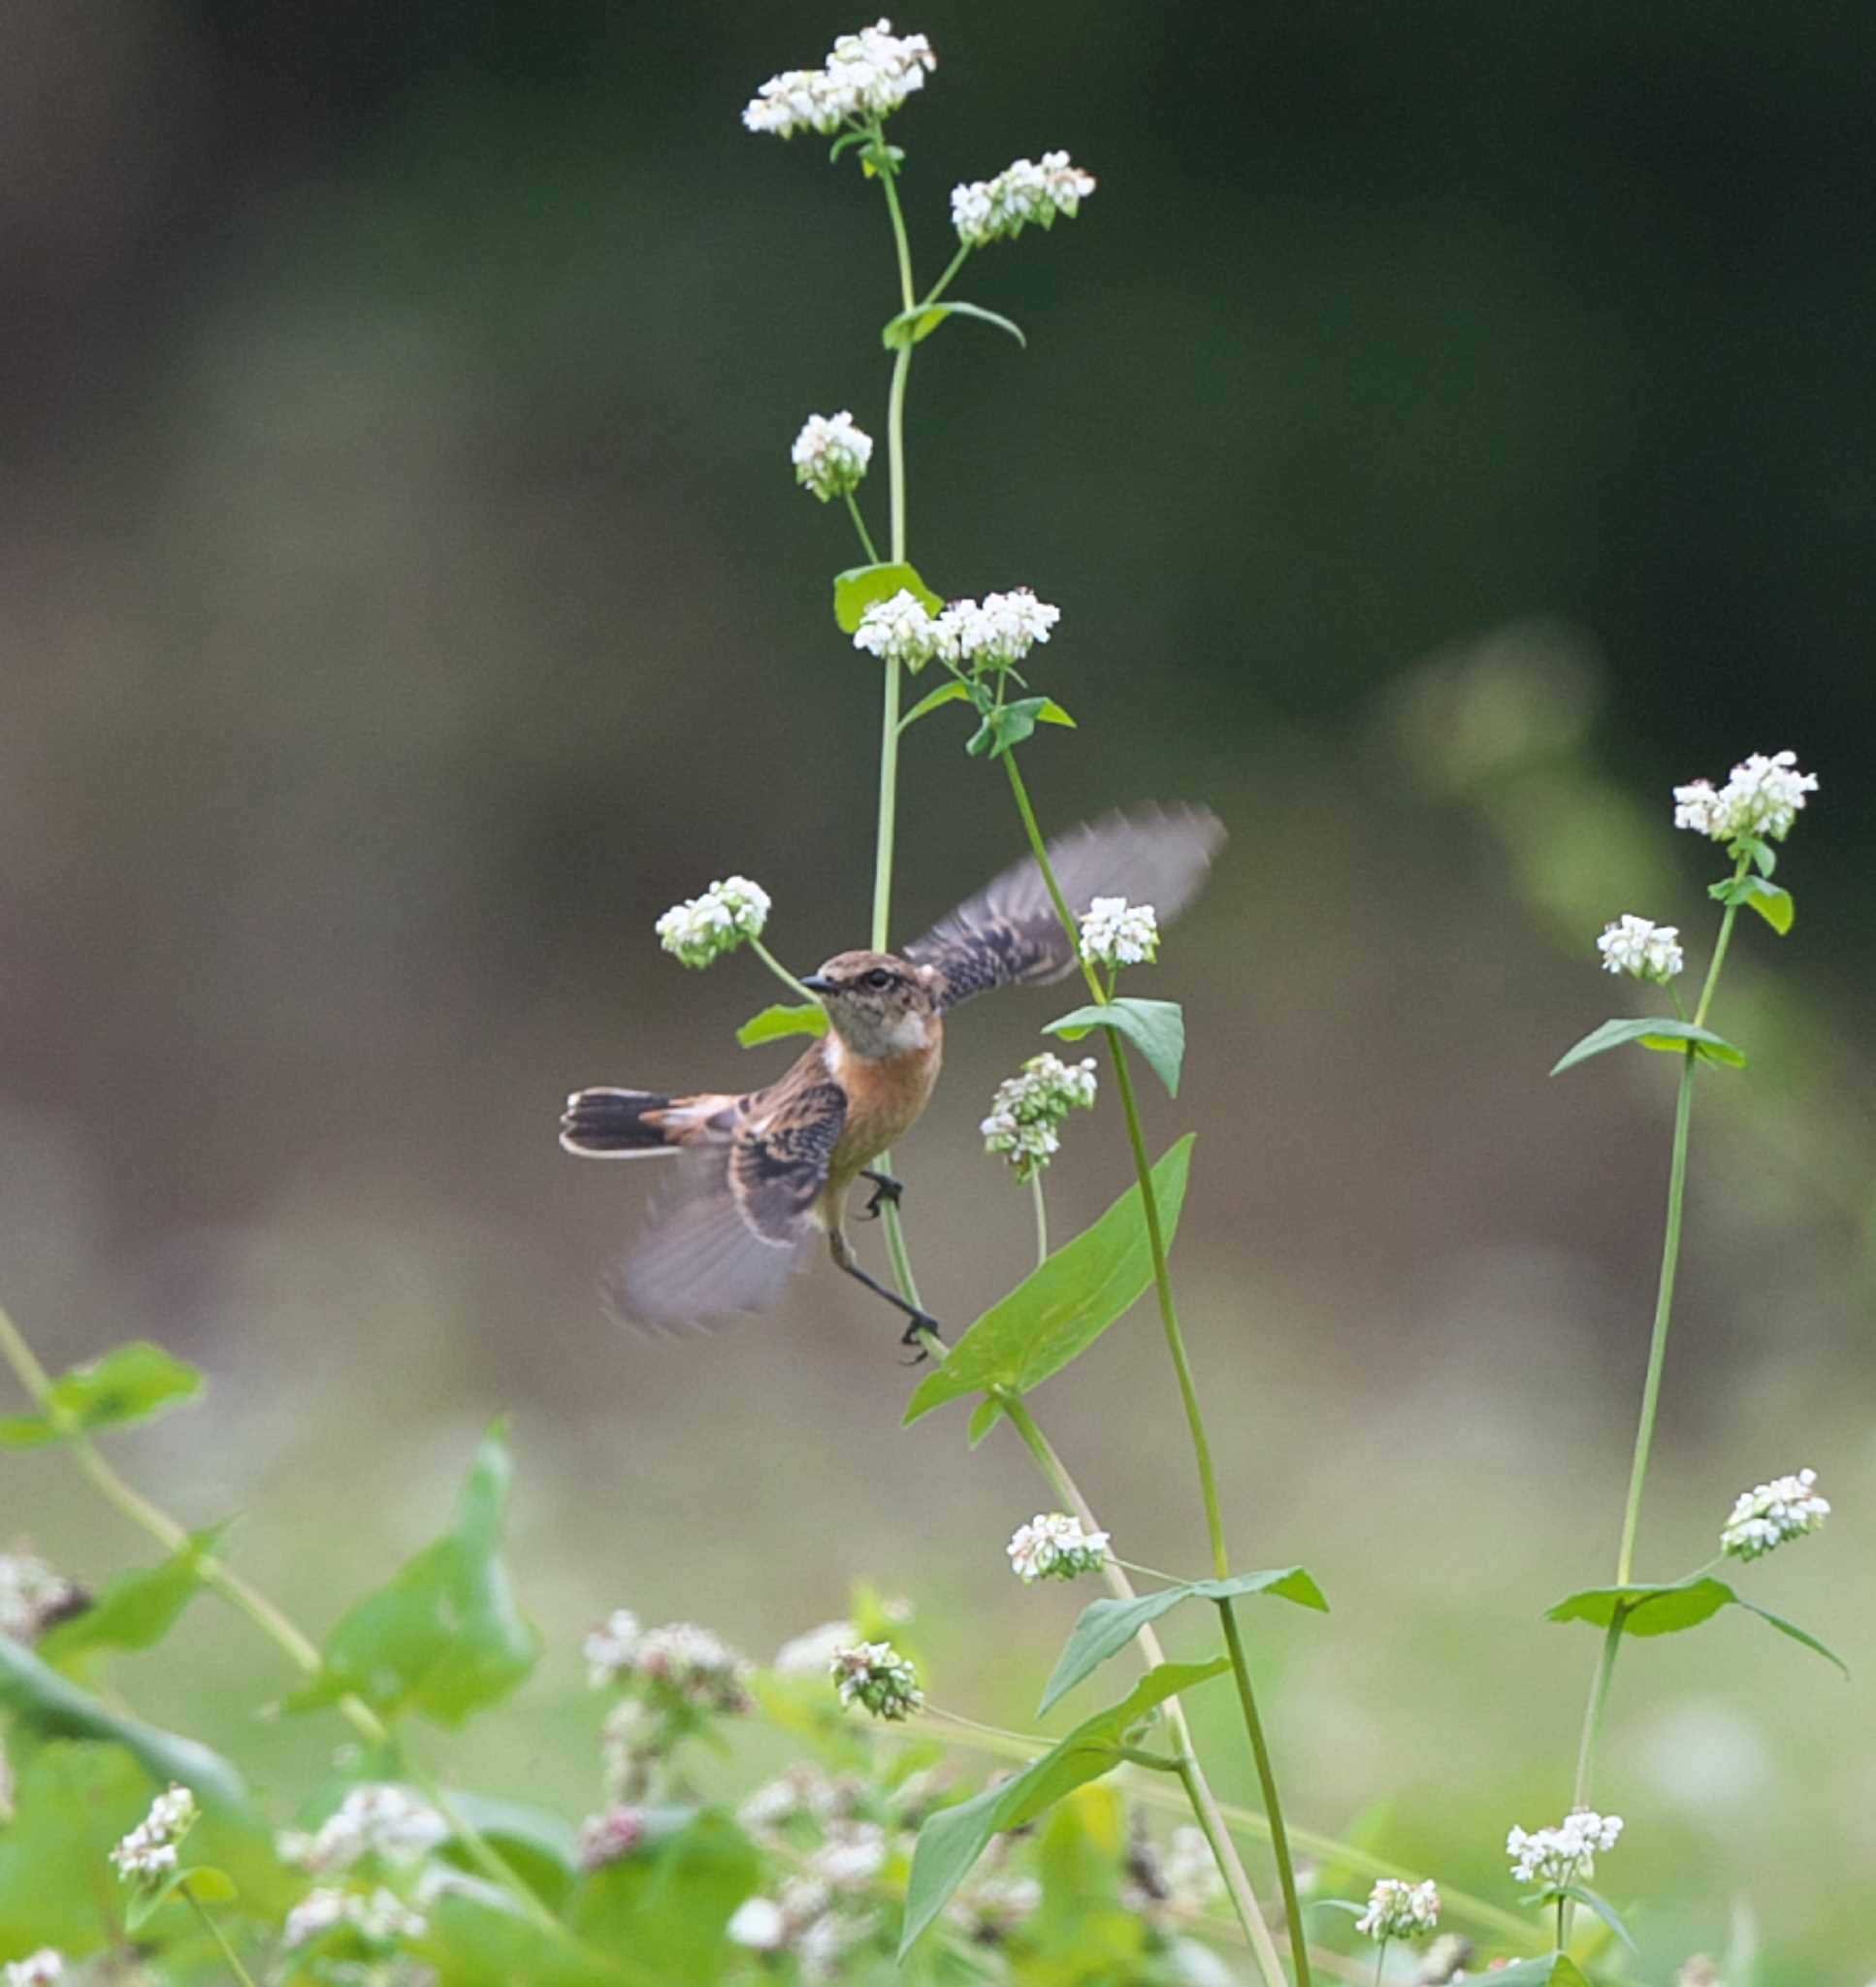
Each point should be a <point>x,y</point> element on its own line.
<point>879,977</point>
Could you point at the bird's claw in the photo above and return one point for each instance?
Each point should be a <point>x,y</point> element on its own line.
<point>915,1337</point>
<point>884,1189</point>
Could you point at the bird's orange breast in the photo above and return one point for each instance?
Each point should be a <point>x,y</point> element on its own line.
<point>885,1097</point>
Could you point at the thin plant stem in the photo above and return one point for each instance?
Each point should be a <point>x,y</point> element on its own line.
<point>248,1599</point>
<point>219,1936</point>
<point>1042,1218</point>
<point>1204,1802</point>
<point>860,525</point>
<point>1187,1386</point>
<point>1381,1961</point>
<point>780,971</point>
<point>952,268</point>
<point>1599,1701</point>
<point>1563,1922</point>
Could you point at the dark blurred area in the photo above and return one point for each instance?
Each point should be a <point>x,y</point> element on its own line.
<point>1447,427</point>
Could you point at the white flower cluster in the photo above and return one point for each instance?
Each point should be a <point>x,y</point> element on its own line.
<point>830,455</point>
<point>1028,1110</point>
<point>995,633</point>
<point>610,1837</point>
<point>681,1658</point>
<point>1564,1854</point>
<point>699,930</point>
<point>991,1907</point>
<point>875,1675</point>
<point>808,1655</point>
<point>998,210</point>
<point>1397,1910</point>
<point>1762,798</point>
<point>40,1968</point>
<point>1648,950</point>
<point>1767,1515</point>
<point>378,1819</point>
<point>1052,1546</point>
<point>868,75</point>
<point>32,1596</point>
<point>1116,934</point>
<point>149,1851</point>
<point>380,1917</point>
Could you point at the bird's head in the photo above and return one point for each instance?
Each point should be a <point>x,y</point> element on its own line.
<point>877,1003</point>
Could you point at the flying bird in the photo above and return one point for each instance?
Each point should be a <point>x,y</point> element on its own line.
<point>754,1179</point>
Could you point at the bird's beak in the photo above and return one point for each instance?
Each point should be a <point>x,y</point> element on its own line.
<point>818,983</point>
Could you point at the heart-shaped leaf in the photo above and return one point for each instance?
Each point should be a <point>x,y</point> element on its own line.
<point>1652,1032</point>
<point>861,587</point>
<point>1156,1028</point>
<point>1669,1608</point>
<point>134,1383</point>
<point>775,1023</point>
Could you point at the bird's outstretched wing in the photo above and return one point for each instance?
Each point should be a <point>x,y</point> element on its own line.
<point>1008,932</point>
<point>733,1221</point>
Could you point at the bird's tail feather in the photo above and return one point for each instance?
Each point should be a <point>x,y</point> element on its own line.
<point>619,1124</point>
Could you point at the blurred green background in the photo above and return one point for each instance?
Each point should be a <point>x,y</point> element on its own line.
<point>1447,427</point>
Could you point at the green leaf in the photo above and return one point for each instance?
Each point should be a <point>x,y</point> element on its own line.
<point>1010,724</point>
<point>53,1707</point>
<point>1052,713</point>
<point>860,586</point>
<point>1156,1028</point>
<point>541,1847</point>
<point>1602,1908</point>
<point>1556,1969</point>
<point>952,1839</point>
<point>985,1417</point>
<point>781,1019</point>
<point>206,1884</point>
<point>71,1802</point>
<point>446,1635</point>
<point>1773,904</point>
<point>670,1904</point>
<point>1668,1608</point>
<point>1063,1305</point>
<point>1764,858</point>
<point>945,692</point>
<point>1107,1627</point>
<point>134,1383</point>
<point>912,327</point>
<point>135,1610</point>
<point>1652,1032</point>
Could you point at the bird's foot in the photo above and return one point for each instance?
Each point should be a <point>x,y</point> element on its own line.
<point>915,1336</point>
<point>884,1189</point>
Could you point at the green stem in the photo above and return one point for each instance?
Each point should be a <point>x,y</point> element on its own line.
<point>1599,1701</point>
<point>860,525</point>
<point>1381,1961</point>
<point>1204,1802</point>
<point>1720,945</point>
<point>246,1598</point>
<point>1563,1922</point>
<point>1273,1808</point>
<point>1042,1218</point>
<point>1182,1370</point>
<point>219,1936</point>
<point>943,283</point>
<point>780,971</point>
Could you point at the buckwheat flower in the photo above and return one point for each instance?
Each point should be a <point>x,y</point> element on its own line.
<point>875,1675</point>
<point>700,1667</point>
<point>699,930</point>
<point>773,1803</point>
<point>1116,934</point>
<point>1028,1109</point>
<point>384,1916</point>
<point>610,1837</point>
<point>868,75</point>
<point>985,211</point>
<point>852,1856</point>
<point>808,1655</point>
<point>758,1924</point>
<point>610,1647</point>
<point>1761,798</point>
<point>32,1596</point>
<point>39,1968</point>
<point>1767,1515</point>
<point>830,455</point>
<point>149,1849</point>
<point>1397,1910</point>
<point>1052,1546</point>
<point>993,1906</point>
<point>314,1916</point>
<point>1633,945</point>
<point>376,1819</point>
<point>1564,1854</point>
<point>899,630</point>
<point>998,633</point>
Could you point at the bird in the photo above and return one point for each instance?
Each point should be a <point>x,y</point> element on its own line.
<point>752,1179</point>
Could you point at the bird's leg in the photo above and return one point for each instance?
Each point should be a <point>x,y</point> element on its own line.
<point>922,1321</point>
<point>884,1189</point>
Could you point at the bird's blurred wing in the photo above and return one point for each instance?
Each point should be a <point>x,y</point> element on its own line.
<point>1008,933</point>
<point>733,1222</point>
